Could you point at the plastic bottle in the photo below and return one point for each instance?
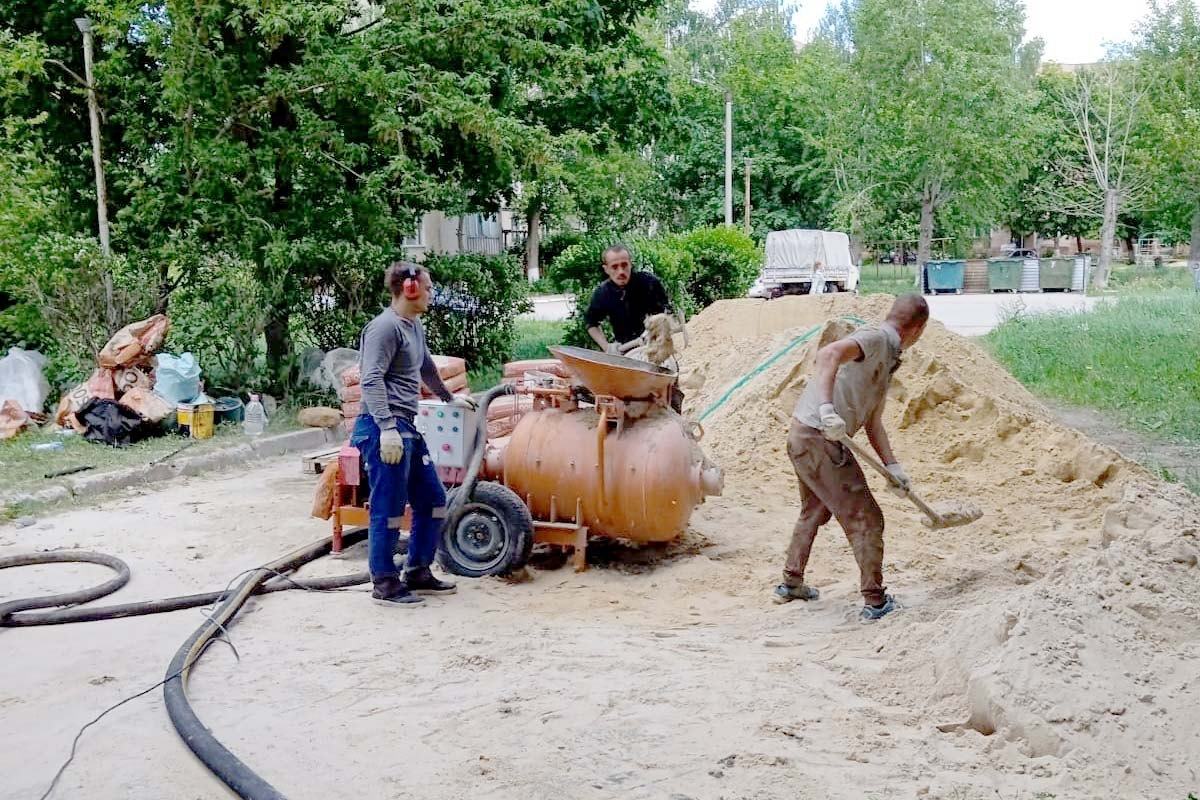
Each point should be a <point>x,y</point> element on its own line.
<point>256,417</point>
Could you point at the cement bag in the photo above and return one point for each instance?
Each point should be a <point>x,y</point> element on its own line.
<point>323,497</point>
<point>177,379</point>
<point>135,341</point>
<point>13,419</point>
<point>449,366</point>
<point>22,381</point>
<point>149,405</point>
<point>126,378</point>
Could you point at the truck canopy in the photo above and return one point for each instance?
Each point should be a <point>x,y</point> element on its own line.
<point>791,253</point>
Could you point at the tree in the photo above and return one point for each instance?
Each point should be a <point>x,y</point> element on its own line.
<point>1042,202</point>
<point>1103,105</point>
<point>746,48</point>
<point>1168,53</point>
<point>949,104</point>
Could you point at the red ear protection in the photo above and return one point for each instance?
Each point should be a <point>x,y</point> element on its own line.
<point>412,284</point>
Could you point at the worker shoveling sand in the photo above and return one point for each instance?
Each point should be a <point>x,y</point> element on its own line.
<point>1065,627</point>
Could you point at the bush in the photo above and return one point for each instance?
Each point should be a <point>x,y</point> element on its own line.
<point>553,247</point>
<point>696,268</point>
<point>476,303</point>
<point>219,316</point>
<point>725,261</point>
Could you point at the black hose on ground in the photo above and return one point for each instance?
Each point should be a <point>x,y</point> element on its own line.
<point>467,488</point>
<point>245,782</point>
<point>19,613</point>
<point>66,598</point>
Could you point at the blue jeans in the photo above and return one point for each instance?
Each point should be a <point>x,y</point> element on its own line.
<point>414,481</point>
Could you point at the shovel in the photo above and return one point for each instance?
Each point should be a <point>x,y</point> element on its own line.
<point>945,515</point>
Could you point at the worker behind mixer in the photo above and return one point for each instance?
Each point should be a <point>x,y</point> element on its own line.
<point>848,391</point>
<point>394,360</point>
<point>625,299</point>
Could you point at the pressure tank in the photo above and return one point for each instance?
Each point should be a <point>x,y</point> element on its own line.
<point>640,484</point>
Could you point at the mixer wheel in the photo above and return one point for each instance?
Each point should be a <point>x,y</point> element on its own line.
<point>491,535</point>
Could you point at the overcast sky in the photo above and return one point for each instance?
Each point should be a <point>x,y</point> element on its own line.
<point>1075,31</point>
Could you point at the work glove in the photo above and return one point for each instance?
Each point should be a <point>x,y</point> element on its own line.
<point>613,349</point>
<point>465,401</point>
<point>897,472</point>
<point>832,425</point>
<point>391,446</point>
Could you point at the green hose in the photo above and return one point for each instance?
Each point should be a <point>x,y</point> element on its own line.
<point>804,337</point>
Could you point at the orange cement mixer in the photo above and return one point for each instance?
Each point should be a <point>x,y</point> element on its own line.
<point>601,454</point>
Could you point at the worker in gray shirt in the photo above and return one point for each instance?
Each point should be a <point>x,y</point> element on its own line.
<point>848,392</point>
<point>394,361</point>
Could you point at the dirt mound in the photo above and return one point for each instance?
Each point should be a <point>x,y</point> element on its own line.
<point>1065,619</point>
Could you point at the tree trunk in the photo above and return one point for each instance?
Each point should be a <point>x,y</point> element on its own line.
<point>1194,249</point>
<point>279,351</point>
<point>1108,231</point>
<point>925,240</point>
<point>1130,249</point>
<point>458,234</point>
<point>533,244</point>
<point>1078,244</point>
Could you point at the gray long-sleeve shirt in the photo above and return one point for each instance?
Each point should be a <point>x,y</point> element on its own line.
<point>394,360</point>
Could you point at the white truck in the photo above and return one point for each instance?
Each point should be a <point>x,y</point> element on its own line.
<point>791,256</point>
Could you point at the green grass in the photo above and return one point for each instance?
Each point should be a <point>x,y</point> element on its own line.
<point>887,279</point>
<point>533,336</point>
<point>23,469</point>
<point>1137,357</point>
<point>1148,280</point>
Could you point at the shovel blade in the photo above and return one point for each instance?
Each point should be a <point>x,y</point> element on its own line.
<point>952,513</point>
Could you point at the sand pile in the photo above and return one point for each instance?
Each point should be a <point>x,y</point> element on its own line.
<point>1068,628</point>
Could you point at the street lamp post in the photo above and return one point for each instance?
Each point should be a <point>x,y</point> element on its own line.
<point>728,157</point>
<point>85,27</point>
<point>747,197</point>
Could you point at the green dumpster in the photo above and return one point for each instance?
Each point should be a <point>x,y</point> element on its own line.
<point>944,276</point>
<point>1004,274</point>
<point>1054,274</point>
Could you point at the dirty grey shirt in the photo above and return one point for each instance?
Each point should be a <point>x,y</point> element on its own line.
<point>860,386</point>
<point>394,360</point>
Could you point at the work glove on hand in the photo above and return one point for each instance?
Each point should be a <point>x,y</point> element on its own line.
<point>465,401</point>
<point>897,472</point>
<point>832,425</point>
<point>613,349</point>
<point>391,446</point>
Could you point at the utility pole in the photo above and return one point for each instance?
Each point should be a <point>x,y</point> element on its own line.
<point>747,197</point>
<point>728,157</point>
<point>85,27</point>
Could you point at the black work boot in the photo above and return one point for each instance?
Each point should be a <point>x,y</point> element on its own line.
<point>391,591</point>
<point>422,581</point>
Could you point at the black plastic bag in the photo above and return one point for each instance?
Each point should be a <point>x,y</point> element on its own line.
<point>112,423</point>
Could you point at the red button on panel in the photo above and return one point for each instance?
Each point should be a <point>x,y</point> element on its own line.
<point>446,447</point>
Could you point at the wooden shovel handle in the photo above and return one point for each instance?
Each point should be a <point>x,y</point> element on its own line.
<point>882,470</point>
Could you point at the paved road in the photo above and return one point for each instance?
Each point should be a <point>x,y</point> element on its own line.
<point>967,314</point>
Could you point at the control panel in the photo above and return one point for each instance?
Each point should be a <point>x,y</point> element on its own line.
<point>449,432</point>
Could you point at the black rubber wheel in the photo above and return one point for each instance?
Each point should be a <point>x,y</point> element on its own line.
<point>491,535</point>
<point>832,288</point>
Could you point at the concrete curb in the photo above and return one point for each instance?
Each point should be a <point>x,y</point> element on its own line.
<point>206,463</point>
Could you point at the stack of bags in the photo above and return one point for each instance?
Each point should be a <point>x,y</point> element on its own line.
<point>452,370</point>
<point>123,382</point>
<point>514,371</point>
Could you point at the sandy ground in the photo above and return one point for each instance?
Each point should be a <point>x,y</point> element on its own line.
<point>630,680</point>
<point>1051,649</point>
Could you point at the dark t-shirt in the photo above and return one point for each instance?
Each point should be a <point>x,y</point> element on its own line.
<point>626,309</point>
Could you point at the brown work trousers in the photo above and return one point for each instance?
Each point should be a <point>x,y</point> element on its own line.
<point>832,485</point>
